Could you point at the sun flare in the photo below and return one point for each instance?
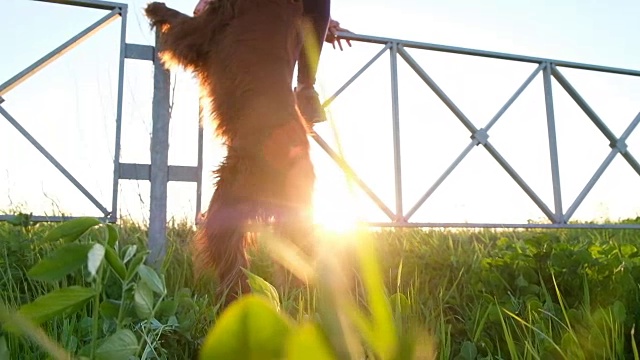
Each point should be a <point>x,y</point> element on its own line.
<point>335,220</point>
<point>335,209</point>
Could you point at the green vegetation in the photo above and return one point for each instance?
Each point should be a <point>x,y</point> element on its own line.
<point>82,289</point>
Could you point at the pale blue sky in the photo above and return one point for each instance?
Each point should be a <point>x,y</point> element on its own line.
<point>70,106</point>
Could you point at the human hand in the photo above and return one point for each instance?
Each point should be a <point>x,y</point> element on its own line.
<point>332,34</point>
<point>201,6</point>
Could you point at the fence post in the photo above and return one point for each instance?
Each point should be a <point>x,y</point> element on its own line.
<point>159,161</point>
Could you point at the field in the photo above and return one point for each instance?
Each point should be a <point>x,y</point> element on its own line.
<point>82,290</point>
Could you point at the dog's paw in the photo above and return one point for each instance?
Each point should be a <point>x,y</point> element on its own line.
<point>158,14</point>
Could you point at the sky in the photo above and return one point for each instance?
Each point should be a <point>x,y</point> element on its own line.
<point>70,108</point>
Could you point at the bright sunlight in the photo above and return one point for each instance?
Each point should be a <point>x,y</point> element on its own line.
<point>335,206</point>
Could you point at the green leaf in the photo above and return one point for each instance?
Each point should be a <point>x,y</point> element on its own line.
<point>134,264</point>
<point>362,324</point>
<point>619,312</point>
<point>60,263</point>
<point>386,336</point>
<point>400,303</point>
<point>149,276</point>
<point>468,351</point>
<point>628,250</point>
<point>129,253</point>
<point>20,219</point>
<point>118,346</point>
<point>112,231</point>
<point>262,287</point>
<point>521,282</point>
<point>167,308</point>
<point>56,302</point>
<point>116,264</point>
<point>94,258</point>
<point>173,321</point>
<point>71,230</point>
<point>110,309</point>
<point>308,343</point>
<point>143,300</point>
<point>250,328</point>
<point>4,349</point>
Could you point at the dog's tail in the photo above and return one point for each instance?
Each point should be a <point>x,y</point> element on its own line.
<point>182,38</point>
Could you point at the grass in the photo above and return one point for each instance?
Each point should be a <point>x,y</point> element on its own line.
<point>561,294</point>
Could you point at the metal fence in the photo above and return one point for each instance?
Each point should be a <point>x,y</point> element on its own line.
<point>114,11</point>
<point>159,173</point>
<point>557,214</point>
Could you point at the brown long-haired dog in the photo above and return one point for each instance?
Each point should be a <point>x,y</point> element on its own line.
<point>243,52</point>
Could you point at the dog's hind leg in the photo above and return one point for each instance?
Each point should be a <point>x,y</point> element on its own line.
<point>294,217</point>
<point>222,238</point>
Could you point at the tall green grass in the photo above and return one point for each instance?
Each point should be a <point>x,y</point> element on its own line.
<point>393,294</point>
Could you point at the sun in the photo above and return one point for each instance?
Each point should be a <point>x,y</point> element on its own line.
<point>337,219</point>
<point>335,208</point>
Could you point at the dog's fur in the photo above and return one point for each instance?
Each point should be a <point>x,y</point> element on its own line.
<point>243,52</point>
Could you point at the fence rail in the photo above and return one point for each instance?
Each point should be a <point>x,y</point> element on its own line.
<point>556,214</point>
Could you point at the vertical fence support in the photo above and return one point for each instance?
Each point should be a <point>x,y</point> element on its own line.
<point>395,108</point>
<point>201,121</point>
<point>553,145</point>
<point>159,161</point>
<point>113,217</point>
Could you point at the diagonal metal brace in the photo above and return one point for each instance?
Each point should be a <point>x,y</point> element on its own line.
<point>473,143</point>
<point>620,146</point>
<point>53,161</point>
<point>436,89</point>
<point>613,140</point>
<point>357,75</point>
<point>480,137</point>
<point>352,174</point>
<point>59,51</point>
<point>469,125</point>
